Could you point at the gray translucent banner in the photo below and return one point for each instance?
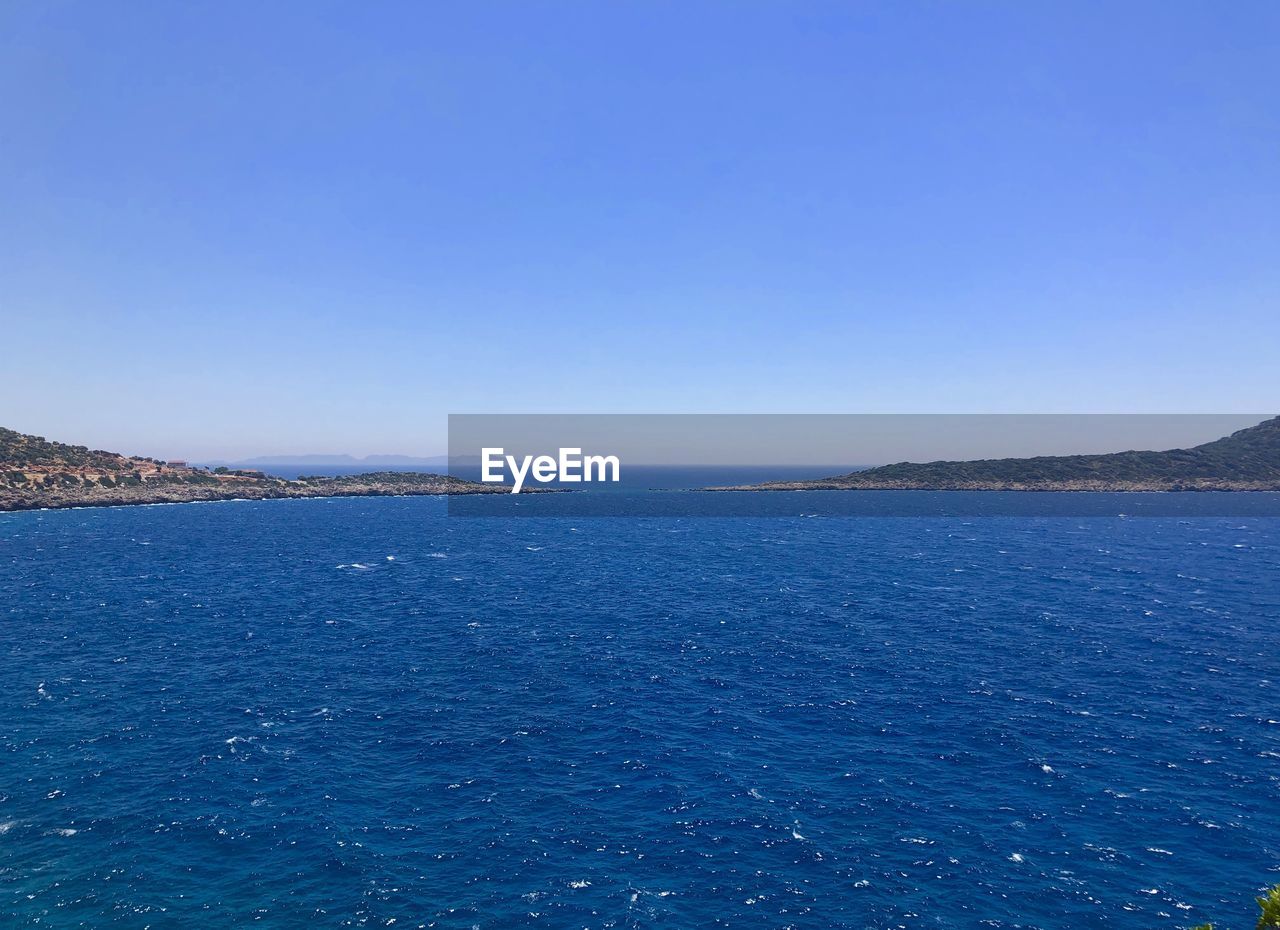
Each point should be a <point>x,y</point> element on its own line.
<point>785,465</point>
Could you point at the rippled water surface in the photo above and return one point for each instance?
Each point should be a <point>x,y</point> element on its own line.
<point>363,713</point>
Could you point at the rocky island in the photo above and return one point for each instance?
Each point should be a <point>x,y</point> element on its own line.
<point>1247,460</point>
<point>36,473</point>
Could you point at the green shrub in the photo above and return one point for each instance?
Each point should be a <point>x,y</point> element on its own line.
<point>1270,907</point>
<point>1268,919</point>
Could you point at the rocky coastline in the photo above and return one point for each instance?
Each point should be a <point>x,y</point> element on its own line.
<point>379,484</point>
<point>37,474</point>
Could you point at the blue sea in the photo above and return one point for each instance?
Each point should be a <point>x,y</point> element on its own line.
<point>365,713</point>
<point>631,478</point>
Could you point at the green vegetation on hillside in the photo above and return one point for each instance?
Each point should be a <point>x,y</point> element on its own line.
<point>23,450</point>
<point>1246,460</point>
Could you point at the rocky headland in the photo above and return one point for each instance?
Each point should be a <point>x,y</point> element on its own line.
<point>1247,460</point>
<point>36,473</point>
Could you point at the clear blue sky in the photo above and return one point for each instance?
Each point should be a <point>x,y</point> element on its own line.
<point>250,228</point>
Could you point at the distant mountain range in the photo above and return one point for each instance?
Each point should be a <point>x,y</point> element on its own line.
<point>345,461</point>
<point>1247,460</point>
